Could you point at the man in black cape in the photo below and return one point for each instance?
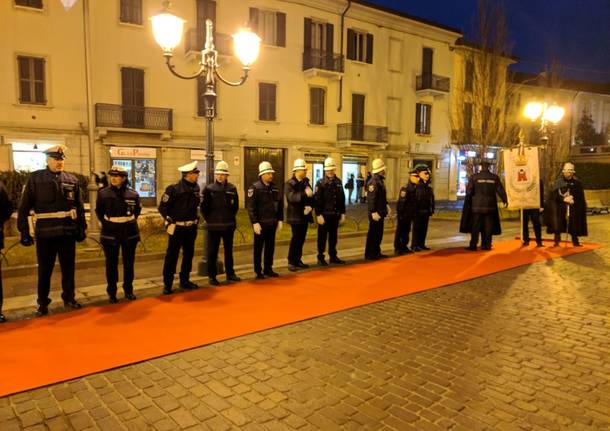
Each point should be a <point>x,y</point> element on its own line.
<point>566,208</point>
<point>480,214</point>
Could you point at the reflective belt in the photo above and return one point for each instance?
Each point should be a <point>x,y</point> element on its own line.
<point>124,219</point>
<point>57,214</point>
<point>186,223</point>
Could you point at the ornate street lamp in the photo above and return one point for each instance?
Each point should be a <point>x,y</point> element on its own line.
<point>167,30</point>
<point>544,113</point>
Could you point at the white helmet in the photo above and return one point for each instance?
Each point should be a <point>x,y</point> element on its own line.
<point>189,167</point>
<point>299,165</point>
<point>378,166</point>
<point>265,168</point>
<point>222,167</point>
<point>568,167</point>
<point>329,164</point>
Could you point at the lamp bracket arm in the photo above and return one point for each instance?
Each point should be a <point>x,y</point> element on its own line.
<point>231,83</point>
<point>172,69</point>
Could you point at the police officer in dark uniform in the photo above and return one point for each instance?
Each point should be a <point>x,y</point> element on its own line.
<point>55,198</point>
<point>424,208</point>
<point>480,213</point>
<point>266,211</point>
<point>118,207</point>
<point>405,213</point>
<point>299,196</point>
<point>378,210</point>
<point>330,212</point>
<point>6,209</point>
<point>219,207</point>
<point>179,205</point>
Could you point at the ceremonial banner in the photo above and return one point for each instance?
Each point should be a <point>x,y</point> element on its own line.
<point>522,177</point>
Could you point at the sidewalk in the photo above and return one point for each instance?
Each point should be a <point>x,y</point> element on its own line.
<point>91,285</point>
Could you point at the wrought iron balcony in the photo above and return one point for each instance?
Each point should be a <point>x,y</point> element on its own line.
<point>437,85</point>
<point>133,117</point>
<point>194,42</point>
<point>323,63</point>
<point>362,133</point>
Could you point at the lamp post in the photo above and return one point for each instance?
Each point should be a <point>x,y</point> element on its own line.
<point>167,30</point>
<point>93,227</point>
<point>546,114</point>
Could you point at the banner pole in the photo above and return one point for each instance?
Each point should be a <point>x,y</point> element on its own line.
<point>521,231</point>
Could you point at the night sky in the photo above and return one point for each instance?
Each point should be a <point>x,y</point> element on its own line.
<point>575,32</point>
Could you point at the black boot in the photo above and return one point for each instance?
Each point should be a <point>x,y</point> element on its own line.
<point>188,285</point>
<point>112,299</point>
<point>233,277</point>
<point>43,310</point>
<point>213,281</point>
<point>72,304</point>
<point>2,318</point>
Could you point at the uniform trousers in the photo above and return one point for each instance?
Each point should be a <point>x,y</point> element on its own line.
<point>47,250</point>
<point>295,251</point>
<point>534,215</point>
<point>481,223</point>
<point>266,241</point>
<point>401,237</point>
<point>128,249</point>
<point>328,230</point>
<point>214,238</point>
<point>420,230</point>
<point>373,238</point>
<point>183,238</point>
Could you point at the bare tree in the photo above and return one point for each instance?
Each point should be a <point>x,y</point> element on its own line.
<point>480,105</point>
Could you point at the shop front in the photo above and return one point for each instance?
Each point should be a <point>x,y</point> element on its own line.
<point>470,158</point>
<point>141,165</point>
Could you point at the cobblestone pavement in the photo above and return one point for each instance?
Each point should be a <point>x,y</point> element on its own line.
<point>525,349</point>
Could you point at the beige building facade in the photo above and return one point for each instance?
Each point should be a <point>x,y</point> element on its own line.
<point>334,78</point>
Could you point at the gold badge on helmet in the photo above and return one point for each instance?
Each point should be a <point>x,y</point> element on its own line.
<point>371,188</point>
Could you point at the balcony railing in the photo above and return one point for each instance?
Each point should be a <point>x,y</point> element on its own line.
<point>194,41</point>
<point>318,59</point>
<point>133,117</point>
<point>362,133</point>
<point>432,82</point>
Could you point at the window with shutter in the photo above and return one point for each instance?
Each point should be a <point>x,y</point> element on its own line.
<point>267,101</point>
<point>359,46</point>
<point>269,25</point>
<point>34,4</point>
<point>132,84</point>
<point>317,98</point>
<point>469,76</point>
<point>131,11</point>
<point>423,117</point>
<point>32,86</point>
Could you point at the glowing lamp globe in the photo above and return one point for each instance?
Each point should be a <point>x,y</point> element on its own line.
<point>167,29</point>
<point>246,45</point>
<point>533,110</point>
<point>554,114</point>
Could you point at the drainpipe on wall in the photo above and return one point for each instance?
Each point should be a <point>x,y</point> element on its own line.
<point>349,4</point>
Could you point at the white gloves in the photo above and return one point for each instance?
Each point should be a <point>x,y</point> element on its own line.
<point>342,219</point>
<point>280,225</point>
<point>257,228</point>
<point>309,192</point>
<point>307,210</point>
<point>569,199</point>
<point>389,208</point>
<point>376,216</point>
<point>320,219</point>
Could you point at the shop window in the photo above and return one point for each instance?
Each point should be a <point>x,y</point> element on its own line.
<point>29,157</point>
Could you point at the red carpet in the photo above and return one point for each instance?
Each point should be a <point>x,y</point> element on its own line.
<point>48,350</point>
